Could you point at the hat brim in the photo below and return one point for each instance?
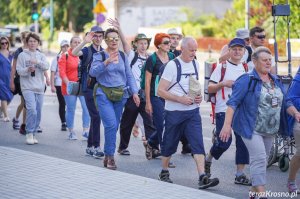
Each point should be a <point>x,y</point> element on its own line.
<point>233,45</point>
<point>180,35</point>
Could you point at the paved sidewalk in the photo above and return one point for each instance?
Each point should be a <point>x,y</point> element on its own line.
<point>29,175</point>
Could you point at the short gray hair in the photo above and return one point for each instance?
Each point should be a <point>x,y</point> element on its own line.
<point>260,50</point>
<point>185,41</point>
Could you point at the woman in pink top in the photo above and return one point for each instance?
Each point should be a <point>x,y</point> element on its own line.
<point>68,71</point>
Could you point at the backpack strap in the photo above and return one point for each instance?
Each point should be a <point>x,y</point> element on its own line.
<point>122,55</point>
<point>249,49</point>
<point>223,71</point>
<point>135,58</point>
<point>88,60</point>
<point>245,65</point>
<point>178,66</point>
<point>195,67</point>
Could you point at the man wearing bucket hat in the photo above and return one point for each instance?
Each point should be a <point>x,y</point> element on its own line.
<point>175,38</point>
<point>137,57</point>
<point>137,60</point>
<point>95,36</point>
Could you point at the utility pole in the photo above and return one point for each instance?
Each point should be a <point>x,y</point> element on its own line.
<point>247,11</point>
<point>95,14</point>
<point>35,16</point>
<point>51,20</point>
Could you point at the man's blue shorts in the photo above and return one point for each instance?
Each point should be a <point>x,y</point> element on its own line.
<point>178,123</point>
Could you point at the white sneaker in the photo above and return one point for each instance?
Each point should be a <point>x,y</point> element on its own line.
<point>72,136</point>
<point>35,141</point>
<point>29,138</point>
<point>85,136</point>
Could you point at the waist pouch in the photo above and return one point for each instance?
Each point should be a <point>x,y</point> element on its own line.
<point>114,94</point>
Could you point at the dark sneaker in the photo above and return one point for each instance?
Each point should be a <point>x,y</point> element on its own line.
<point>205,182</point>
<point>22,130</point>
<point>63,127</point>
<point>165,176</point>
<point>89,151</point>
<point>207,168</point>
<point>186,149</point>
<point>148,150</point>
<point>156,153</point>
<point>39,130</point>
<point>98,153</point>
<point>123,152</point>
<point>171,165</point>
<point>16,125</point>
<point>242,180</point>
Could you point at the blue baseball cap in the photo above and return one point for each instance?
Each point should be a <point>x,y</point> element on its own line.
<point>237,42</point>
<point>97,29</point>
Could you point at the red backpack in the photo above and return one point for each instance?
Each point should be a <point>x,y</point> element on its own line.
<point>212,96</point>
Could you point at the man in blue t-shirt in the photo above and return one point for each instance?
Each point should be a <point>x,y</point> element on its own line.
<point>86,57</point>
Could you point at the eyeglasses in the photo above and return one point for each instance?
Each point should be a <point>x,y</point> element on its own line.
<point>112,39</point>
<point>166,42</point>
<point>4,43</point>
<point>260,36</point>
<point>98,36</point>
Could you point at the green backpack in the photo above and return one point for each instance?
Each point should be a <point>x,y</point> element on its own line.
<point>153,58</point>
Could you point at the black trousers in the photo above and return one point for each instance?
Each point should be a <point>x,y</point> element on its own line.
<point>128,119</point>
<point>61,104</point>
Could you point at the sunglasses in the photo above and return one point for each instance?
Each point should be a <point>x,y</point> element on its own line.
<point>112,39</point>
<point>260,36</point>
<point>166,42</point>
<point>4,43</point>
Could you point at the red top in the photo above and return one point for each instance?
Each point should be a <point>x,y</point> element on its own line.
<point>68,67</point>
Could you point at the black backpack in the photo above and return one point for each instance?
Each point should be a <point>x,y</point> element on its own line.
<point>179,73</point>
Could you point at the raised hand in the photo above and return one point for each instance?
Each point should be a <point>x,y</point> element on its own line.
<point>114,22</point>
<point>89,37</point>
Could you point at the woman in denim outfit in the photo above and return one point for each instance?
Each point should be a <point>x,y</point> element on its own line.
<point>255,110</point>
<point>113,70</point>
<point>293,98</point>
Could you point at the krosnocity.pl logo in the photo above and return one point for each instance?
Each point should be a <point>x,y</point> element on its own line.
<point>273,194</point>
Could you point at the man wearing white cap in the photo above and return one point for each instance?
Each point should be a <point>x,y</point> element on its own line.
<point>241,33</point>
<point>175,37</point>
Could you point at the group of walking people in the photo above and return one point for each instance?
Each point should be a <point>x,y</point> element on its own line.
<point>121,88</point>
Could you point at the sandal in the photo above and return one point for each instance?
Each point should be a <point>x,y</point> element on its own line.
<point>242,180</point>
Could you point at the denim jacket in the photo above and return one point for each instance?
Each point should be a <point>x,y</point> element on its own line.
<point>245,100</point>
<point>293,98</point>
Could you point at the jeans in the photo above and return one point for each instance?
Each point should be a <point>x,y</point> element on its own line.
<point>34,103</point>
<point>110,113</point>
<point>94,133</point>
<point>158,106</point>
<point>71,107</point>
<point>219,147</point>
